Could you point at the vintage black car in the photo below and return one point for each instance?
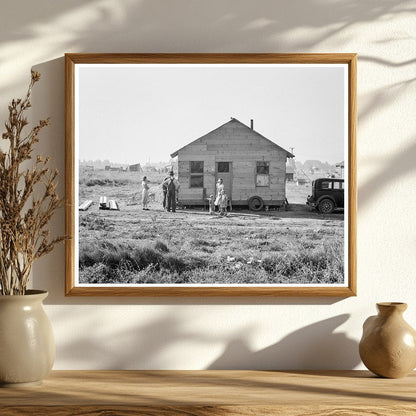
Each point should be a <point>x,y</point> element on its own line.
<point>327,195</point>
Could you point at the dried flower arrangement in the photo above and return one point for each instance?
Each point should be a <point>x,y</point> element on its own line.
<point>28,199</point>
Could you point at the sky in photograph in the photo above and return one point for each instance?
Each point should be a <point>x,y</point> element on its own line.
<point>143,113</point>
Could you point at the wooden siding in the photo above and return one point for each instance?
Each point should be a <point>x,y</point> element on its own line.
<point>233,142</point>
<point>191,193</point>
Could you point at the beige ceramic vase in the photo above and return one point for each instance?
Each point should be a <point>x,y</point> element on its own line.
<point>27,347</point>
<point>388,344</point>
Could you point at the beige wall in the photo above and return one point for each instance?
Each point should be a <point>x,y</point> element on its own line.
<point>235,333</point>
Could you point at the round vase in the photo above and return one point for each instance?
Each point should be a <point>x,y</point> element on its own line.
<point>27,347</point>
<point>388,345</point>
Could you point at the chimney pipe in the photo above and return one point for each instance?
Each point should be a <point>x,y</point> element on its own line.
<point>251,124</point>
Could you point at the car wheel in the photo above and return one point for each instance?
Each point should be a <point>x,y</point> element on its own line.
<point>255,203</point>
<point>326,206</point>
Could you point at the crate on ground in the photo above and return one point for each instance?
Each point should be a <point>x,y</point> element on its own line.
<point>103,203</point>
<point>85,205</point>
<point>110,204</point>
<point>113,205</point>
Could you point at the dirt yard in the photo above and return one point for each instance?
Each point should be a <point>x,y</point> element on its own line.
<point>191,246</point>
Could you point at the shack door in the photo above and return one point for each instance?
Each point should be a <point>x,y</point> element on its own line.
<point>223,170</point>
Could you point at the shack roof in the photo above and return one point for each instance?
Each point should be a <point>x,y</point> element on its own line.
<point>233,120</point>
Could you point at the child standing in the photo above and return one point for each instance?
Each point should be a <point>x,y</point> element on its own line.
<point>211,203</point>
<point>223,203</point>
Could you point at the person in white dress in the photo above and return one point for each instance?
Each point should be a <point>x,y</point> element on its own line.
<point>220,189</point>
<point>145,193</point>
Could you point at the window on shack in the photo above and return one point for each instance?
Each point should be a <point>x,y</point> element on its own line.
<point>262,174</point>
<point>223,167</point>
<point>196,169</point>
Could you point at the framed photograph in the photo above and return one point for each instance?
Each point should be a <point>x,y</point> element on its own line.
<point>211,174</point>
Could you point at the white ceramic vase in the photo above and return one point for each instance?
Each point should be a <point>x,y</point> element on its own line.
<point>27,347</point>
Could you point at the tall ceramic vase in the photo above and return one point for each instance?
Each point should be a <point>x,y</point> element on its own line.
<point>27,347</point>
<point>388,344</point>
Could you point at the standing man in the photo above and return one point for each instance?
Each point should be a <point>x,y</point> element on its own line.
<point>172,186</point>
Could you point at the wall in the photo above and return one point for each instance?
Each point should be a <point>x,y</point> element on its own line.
<point>234,333</point>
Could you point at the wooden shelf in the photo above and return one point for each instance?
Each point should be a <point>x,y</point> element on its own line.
<point>203,393</point>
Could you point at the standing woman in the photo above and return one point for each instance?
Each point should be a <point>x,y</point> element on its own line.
<point>145,193</point>
<point>220,190</point>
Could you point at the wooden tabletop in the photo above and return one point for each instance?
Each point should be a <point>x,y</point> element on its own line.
<point>203,393</point>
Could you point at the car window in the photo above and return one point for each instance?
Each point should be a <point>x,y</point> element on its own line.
<point>326,185</point>
<point>338,185</point>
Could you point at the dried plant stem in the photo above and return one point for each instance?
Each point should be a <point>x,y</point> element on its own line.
<point>23,217</point>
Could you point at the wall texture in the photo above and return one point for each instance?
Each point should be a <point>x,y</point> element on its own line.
<point>234,333</point>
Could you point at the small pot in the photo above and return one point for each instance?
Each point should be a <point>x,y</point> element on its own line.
<point>27,347</point>
<point>388,344</point>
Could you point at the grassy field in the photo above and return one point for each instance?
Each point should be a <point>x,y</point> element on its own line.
<point>190,246</point>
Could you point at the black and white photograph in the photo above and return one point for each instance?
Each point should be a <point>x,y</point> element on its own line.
<point>202,174</point>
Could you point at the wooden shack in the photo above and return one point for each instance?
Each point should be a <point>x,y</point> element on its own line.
<point>135,168</point>
<point>253,168</point>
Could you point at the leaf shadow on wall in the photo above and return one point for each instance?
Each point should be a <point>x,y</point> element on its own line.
<point>315,346</point>
<point>140,346</point>
<point>244,28</point>
<point>151,345</point>
<point>397,166</point>
<point>151,26</point>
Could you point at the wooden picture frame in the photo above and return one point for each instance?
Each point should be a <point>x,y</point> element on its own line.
<point>76,123</point>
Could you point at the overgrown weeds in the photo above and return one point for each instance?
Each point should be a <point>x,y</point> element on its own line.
<point>105,262</point>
